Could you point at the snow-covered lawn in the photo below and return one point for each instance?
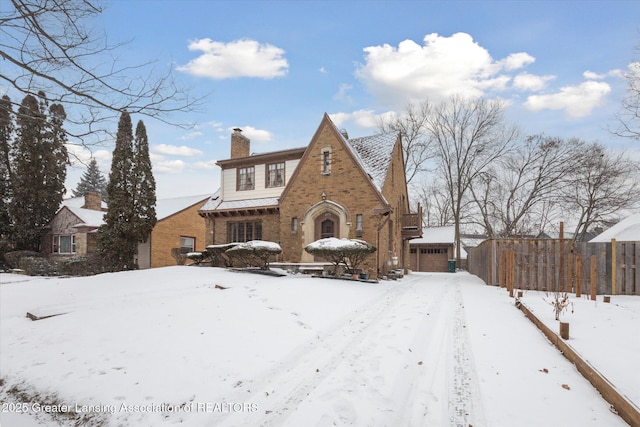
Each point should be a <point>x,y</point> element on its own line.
<point>168,346</point>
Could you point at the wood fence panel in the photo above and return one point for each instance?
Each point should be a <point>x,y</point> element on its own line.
<point>549,265</point>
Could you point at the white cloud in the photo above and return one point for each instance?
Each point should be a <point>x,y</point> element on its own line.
<point>211,164</point>
<point>342,93</point>
<point>80,156</point>
<point>363,118</point>
<point>531,82</point>
<point>239,58</point>
<point>255,135</point>
<point>174,150</point>
<point>172,167</point>
<point>323,70</point>
<point>590,75</point>
<point>191,135</point>
<point>576,101</point>
<point>516,61</point>
<point>437,69</point>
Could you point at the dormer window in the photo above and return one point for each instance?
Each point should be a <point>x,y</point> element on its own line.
<point>246,178</point>
<point>275,175</point>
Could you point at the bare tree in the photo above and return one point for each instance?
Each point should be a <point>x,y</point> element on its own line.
<point>416,144</point>
<point>53,46</point>
<point>629,116</point>
<point>436,205</point>
<point>602,185</point>
<point>468,136</point>
<point>513,198</point>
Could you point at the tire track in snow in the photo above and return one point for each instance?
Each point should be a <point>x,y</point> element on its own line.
<point>308,366</point>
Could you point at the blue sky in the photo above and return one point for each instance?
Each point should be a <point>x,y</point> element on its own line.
<point>273,68</point>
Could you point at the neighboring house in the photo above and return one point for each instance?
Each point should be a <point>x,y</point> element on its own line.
<point>627,230</point>
<point>73,229</point>
<point>334,187</point>
<point>433,250</point>
<point>178,226</point>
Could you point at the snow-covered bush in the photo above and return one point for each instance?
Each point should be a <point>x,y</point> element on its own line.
<point>13,258</point>
<point>254,253</point>
<point>218,255</point>
<point>197,257</point>
<point>350,252</point>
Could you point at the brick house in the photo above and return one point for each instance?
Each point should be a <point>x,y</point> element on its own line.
<point>334,187</point>
<point>178,226</point>
<point>73,229</point>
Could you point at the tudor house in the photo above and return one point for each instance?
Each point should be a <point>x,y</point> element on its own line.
<point>335,187</point>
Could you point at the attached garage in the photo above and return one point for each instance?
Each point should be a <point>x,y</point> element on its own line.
<point>432,252</point>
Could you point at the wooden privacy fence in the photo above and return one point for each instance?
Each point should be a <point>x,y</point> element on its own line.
<point>611,268</point>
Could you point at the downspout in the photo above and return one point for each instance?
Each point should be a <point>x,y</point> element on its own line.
<point>386,220</point>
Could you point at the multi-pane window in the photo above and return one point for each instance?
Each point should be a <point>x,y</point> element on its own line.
<point>433,251</point>
<point>244,231</point>
<point>246,178</point>
<point>187,244</point>
<point>275,175</point>
<point>358,221</point>
<point>64,244</point>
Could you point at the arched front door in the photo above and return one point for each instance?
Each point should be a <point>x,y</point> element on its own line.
<point>326,225</point>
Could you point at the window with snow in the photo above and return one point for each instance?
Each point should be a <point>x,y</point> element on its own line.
<point>246,178</point>
<point>275,175</point>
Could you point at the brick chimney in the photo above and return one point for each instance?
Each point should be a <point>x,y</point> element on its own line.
<point>92,201</point>
<point>240,144</point>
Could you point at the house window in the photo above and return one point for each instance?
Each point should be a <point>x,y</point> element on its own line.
<point>413,251</point>
<point>294,225</point>
<point>326,162</point>
<point>275,175</point>
<point>64,244</point>
<point>358,221</point>
<point>244,231</point>
<point>246,179</point>
<point>187,244</point>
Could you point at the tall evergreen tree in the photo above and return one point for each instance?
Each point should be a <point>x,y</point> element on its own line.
<point>6,135</point>
<point>117,239</point>
<point>92,180</point>
<point>145,185</point>
<point>39,167</point>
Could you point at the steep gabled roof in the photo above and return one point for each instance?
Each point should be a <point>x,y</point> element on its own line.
<point>87,217</point>
<point>374,154</point>
<point>167,207</point>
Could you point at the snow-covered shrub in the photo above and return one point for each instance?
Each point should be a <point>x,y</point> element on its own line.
<point>350,252</point>
<point>196,257</point>
<point>37,266</point>
<point>218,255</point>
<point>254,253</point>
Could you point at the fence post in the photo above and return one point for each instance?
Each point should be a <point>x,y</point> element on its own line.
<point>594,277</point>
<point>512,273</point>
<point>562,285</point>
<point>614,266</point>
<point>578,276</point>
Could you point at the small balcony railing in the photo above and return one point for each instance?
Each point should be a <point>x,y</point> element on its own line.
<point>412,224</point>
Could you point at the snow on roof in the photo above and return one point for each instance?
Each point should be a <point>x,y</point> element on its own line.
<point>77,202</point>
<point>219,205</point>
<point>168,207</point>
<point>89,217</point>
<point>374,153</point>
<point>627,230</point>
<point>434,235</point>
